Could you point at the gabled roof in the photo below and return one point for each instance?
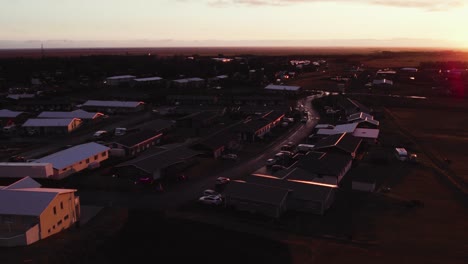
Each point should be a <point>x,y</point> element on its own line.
<point>49,122</point>
<point>338,129</point>
<point>25,197</point>
<point>126,104</point>
<point>135,138</point>
<point>252,125</point>
<point>282,87</point>
<point>9,113</point>
<point>70,156</point>
<point>73,114</point>
<point>26,182</point>
<point>345,141</point>
<point>300,189</point>
<point>318,163</point>
<point>256,192</point>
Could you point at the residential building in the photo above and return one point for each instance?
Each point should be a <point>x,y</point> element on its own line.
<point>51,126</point>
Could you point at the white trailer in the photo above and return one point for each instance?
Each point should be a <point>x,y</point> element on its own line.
<point>23,169</point>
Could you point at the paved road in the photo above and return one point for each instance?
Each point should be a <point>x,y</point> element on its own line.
<point>189,191</point>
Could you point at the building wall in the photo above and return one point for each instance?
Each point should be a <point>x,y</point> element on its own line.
<point>59,215</point>
<point>81,165</point>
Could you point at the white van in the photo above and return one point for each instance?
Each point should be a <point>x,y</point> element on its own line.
<point>401,154</point>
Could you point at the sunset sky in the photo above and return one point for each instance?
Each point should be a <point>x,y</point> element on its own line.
<point>66,23</point>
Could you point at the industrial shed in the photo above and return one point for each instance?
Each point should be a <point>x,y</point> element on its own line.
<point>256,198</point>
<point>30,213</point>
<point>52,126</point>
<point>114,107</point>
<point>136,142</point>
<point>24,169</point>
<point>81,114</point>
<point>76,159</point>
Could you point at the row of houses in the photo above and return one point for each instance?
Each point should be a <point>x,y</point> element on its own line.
<point>158,82</point>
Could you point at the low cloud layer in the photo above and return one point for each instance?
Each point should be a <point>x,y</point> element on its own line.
<point>432,5</point>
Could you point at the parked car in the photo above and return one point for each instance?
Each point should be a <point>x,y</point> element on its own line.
<point>211,199</point>
<point>270,162</point>
<point>101,134</point>
<point>229,156</point>
<point>210,192</point>
<point>222,180</point>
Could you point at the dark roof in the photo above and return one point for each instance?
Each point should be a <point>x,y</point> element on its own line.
<point>344,141</point>
<point>300,190</point>
<point>253,125</point>
<point>135,138</point>
<point>219,140</point>
<point>161,159</point>
<point>158,124</point>
<point>273,115</point>
<point>200,116</point>
<point>256,192</point>
<point>320,163</point>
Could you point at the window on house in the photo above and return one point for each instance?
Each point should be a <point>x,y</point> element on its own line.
<point>65,217</point>
<point>61,205</point>
<point>87,161</point>
<point>55,210</point>
<point>96,157</point>
<point>104,154</point>
<point>59,223</point>
<point>48,230</point>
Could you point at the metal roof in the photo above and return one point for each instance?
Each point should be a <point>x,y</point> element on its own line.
<point>73,114</point>
<point>48,122</point>
<point>70,156</point>
<point>282,87</point>
<point>148,79</point>
<point>366,133</point>
<point>127,104</point>
<point>121,77</point>
<point>25,197</point>
<point>9,113</point>
<point>338,129</point>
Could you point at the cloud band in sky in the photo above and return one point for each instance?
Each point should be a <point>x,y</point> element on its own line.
<point>432,5</point>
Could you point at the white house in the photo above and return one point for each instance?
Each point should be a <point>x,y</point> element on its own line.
<point>29,213</point>
<point>75,159</point>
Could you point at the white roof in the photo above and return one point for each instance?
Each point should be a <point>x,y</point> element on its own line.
<point>401,151</point>
<point>48,122</point>
<point>127,104</point>
<point>70,156</point>
<point>222,76</point>
<point>366,133</point>
<point>19,96</point>
<point>81,114</point>
<point>282,87</point>
<point>339,129</point>
<point>148,79</point>
<point>9,113</point>
<point>186,80</point>
<point>386,72</point>
<point>25,197</point>
<point>360,115</point>
<point>121,77</point>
